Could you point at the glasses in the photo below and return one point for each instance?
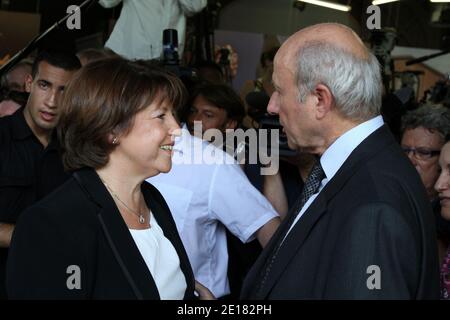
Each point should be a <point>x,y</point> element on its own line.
<point>421,153</point>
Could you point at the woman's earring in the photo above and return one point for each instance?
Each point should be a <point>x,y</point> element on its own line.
<point>114,140</point>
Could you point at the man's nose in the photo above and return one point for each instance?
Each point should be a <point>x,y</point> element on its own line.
<point>273,106</point>
<point>52,98</point>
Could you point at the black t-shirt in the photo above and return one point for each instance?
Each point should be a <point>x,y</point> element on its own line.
<point>28,172</point>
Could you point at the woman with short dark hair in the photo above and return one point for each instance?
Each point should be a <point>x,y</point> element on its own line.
<point>106,233</point>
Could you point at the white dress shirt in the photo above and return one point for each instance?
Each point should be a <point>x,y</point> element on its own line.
<point>334,157</point>
<point>138,33</point>
<point>162,261</point>
<point>203,198</point>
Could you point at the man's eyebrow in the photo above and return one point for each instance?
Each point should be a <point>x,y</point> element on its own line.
<point>44,81</point>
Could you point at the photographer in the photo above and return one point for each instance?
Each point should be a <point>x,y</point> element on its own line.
<point>137,33</point>
<point>262,84</point>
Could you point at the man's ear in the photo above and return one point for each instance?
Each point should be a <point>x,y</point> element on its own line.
<point>28,82</point>
<point>325,100</point>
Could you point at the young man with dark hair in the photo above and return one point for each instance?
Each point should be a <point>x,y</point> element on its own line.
<point>30,164</point>
<point>216,106</point>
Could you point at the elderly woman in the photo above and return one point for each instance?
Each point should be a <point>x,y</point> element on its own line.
<point>106,233</point>
<point>442,187</point>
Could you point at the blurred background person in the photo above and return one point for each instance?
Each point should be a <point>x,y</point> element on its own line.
<point>262,84</point>
<point>443,189</point>
<point>10,102</point>
<point>216,106</point>
<point>138,33</point>
<point>15,78</point>
<point>12,85</point>
<point>208,71</point>
<point>117,129</point>
<point>424,131</point>
<point>423,135</point>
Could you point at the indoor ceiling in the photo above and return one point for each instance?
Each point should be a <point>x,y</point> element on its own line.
<point>411,18</point>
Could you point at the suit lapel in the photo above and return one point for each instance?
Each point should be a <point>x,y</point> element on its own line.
<point>248,287</point>
<point>293,242</point>
<point>299,233</point>
<point>119,237</point>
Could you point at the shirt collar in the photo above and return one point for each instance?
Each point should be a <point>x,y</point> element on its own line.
<point>21,130</point>
<point>336,154</point>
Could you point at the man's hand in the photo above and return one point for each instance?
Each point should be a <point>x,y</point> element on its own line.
<point>203,292</point>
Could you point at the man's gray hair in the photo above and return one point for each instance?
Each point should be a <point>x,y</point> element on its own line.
<point>431,117</point>
<point>354,82</point>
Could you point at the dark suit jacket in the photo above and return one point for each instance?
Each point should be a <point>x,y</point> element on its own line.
<point>374,211</point>
<point>79,224</point>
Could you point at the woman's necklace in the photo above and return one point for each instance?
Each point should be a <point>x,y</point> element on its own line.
<point>139,214</point>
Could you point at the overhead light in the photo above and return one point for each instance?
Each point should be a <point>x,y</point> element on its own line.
<point>328,4</point>
<point>377,2</point>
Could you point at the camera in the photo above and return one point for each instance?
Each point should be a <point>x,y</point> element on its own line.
<point>258,102</point>
<point>170,58</point>
<point>440,92</point>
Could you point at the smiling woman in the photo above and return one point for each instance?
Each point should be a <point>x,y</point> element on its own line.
<point>117,129</point>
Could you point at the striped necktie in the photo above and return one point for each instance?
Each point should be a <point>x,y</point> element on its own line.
<point>311,186</point>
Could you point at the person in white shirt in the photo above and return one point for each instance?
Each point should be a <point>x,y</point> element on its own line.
<point>207,191</point>
<point>138,33</point>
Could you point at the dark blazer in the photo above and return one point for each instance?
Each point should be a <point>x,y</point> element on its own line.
<point>374,211</point>
<point>79,224</point>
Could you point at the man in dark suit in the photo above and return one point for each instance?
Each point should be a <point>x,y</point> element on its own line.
<point>362,228</point>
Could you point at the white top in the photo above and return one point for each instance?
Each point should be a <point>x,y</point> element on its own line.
<point>162,260</point>
<point>205,197</point>
<point>138,33</point>
<point>334,157</point>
